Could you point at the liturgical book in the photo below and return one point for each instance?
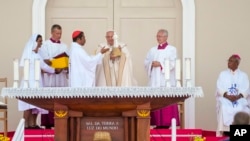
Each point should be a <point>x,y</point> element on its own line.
<point>60,61</point>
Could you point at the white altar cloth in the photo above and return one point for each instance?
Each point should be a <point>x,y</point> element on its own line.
<point>101,92</point>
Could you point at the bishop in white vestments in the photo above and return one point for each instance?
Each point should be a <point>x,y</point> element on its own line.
<point>82,69</point>
<point>115,70</point>
<point>154,64</point>
<point>232,93</point>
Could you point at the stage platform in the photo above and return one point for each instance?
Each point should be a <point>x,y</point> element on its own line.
<point>155,135</point>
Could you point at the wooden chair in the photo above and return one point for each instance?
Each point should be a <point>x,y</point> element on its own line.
<point>3,108</point>
<point>182,114</point>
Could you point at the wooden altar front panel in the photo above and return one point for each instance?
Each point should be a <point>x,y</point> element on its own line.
<point>77,119</point>
<point>113,125</point>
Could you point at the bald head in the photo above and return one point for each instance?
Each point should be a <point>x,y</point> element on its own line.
<point>241,118</point>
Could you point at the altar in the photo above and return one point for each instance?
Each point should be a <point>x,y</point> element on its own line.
<point>123,112</point>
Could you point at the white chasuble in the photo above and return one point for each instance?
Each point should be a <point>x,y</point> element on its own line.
<point>116,72</point>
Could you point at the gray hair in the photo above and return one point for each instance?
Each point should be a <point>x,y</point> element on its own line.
<point>164,31</point>
<point>110,31</point>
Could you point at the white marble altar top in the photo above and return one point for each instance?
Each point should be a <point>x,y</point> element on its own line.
<point>102,92</point>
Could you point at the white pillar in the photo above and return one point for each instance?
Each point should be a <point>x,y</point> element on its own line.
<point>188,51</point>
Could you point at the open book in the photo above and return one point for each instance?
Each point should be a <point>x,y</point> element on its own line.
<point>60,61</point>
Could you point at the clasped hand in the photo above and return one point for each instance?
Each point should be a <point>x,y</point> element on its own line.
<point>57,70</point>
<point>232,98</point>
<point>156,64</point>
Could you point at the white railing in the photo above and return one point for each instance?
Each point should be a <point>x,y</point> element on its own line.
<point>19,133</point>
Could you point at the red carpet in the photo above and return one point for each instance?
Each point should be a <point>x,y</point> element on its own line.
<point>39,135</point>
<point>181,135</point>
<point>211,136</point>
<point>155,135</point>
<point>36,135</point>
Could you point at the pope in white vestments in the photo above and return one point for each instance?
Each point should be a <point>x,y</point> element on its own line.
<point>232,94</point>
<point>154,64</point>
<point>82,66</point>
<point>115,70</point>
<point>30,53</point>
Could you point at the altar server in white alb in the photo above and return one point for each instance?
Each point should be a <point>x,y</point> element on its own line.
<point>116,68</point>
<point>30,53</point>
<point>82,69</point>
<point>232,93</point>
<point>53,48</point>
<point>154,64</point>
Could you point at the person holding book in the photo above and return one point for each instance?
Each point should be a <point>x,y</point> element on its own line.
<point>53,49</point>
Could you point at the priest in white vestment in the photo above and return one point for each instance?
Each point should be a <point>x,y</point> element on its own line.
<point>30,53</point>
<point>154,64</point>
<point>232,93</point>
<point>82,69</point>
<point>50,49</point>
<point>115,70</point>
